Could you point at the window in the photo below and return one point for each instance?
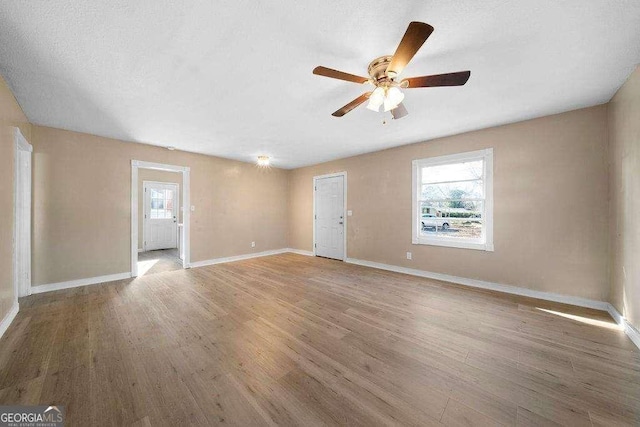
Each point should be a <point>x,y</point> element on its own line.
<point>453,200</point>
<point>161,204</point>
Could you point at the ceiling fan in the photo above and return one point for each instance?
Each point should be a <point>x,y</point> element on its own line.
<point>384,74</point>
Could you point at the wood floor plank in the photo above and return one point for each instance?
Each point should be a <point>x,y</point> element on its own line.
<point>221,402</point>
<point>295,340</point>
<point>527,418</point>
<point>457,414</point>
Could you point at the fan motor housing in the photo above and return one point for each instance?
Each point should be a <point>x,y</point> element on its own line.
<point>378,67</point>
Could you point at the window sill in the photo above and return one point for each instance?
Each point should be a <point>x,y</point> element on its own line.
<point>481,246</point>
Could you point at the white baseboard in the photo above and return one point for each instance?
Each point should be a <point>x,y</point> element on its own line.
<point>616,315</point>
<point>237,258</point>
<point>549,296</point>
<point>631,332</point>
<point>4,325</point>
<point>120,276</point>
<point>80,282</point>
<point>300,252</point>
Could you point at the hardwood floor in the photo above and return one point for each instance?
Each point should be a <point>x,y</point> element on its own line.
<point>295,340</point>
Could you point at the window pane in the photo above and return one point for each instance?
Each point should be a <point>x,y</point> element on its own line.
<point>454,190</point>
<point>157,204</point>
<point>451,220</point>
<point>168,214</point>
<point>162,203</point>
<point>452,172</point>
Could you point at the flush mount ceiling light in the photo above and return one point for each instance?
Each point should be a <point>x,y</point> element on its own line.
<point>384,75</point>
<point>263,161</point>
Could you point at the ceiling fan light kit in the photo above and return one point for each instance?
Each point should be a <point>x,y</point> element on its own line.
<point>384,74</point>
<point>376,99</point>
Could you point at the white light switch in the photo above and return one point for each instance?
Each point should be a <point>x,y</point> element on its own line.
<point>349,213</point>
<point>193,208</point>
<point>408,255</point>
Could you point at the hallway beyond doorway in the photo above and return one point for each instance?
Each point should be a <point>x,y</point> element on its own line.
<point>159,261</point>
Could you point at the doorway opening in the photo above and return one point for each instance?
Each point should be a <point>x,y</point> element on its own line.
<point>160,209</point>
<point>22,217</point>
<point>160,222</point>
<point>330,216</point>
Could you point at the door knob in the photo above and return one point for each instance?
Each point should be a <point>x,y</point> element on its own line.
<point>341,222</point>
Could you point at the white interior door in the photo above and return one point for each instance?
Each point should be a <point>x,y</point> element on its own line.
<point>329,217</point>
<point>160,215</point>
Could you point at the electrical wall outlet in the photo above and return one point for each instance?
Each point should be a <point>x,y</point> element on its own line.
<point>253,244</point>
<point>408,255</point>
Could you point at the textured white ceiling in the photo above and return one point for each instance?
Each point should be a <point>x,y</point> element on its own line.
<point>233,78</point>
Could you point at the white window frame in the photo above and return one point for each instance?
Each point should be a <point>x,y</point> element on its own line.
<point>485,243</point>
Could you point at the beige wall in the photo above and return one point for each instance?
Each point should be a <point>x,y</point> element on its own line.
<point>159,176</point>
<point>550,209</point>
<point>10,115</point>
<point>624,181</point>
<point>551,187</point>
<point>82,203</point>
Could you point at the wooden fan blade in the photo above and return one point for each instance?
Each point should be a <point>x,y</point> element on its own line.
<point>415,36</point>
<point>353,104</point>
<point>340,75</point>
<point>449,79</point>
<point>399,112</point>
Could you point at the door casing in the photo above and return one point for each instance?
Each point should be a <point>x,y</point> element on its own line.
<point>22,216</point>
<point>186,209</point>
